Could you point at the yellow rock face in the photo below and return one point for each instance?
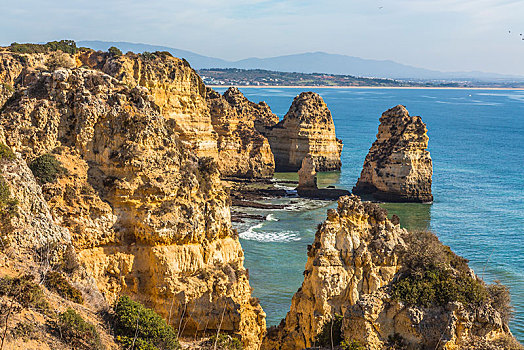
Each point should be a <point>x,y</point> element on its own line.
<point>398,166</point>
<point>307,128</point>
<point>376,319</point>
<point>147,217</point>
<point>242,150</point>
<point>342,266</point>
<point>351,264</point>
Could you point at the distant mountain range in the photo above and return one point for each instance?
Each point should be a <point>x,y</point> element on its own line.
<point>311,62</point>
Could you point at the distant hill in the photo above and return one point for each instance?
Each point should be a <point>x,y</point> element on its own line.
<point>261,77</point>
<point>312,62</point>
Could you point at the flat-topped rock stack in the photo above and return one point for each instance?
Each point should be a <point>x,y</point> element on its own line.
<point>398,167</point>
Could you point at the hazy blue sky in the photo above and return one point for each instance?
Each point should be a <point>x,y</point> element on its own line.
<point>446,35</point>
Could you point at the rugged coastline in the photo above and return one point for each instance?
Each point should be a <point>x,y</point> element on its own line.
<point>151,162</point>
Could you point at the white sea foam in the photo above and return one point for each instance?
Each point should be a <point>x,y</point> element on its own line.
<point>283,236</point>
<point>271,217</point>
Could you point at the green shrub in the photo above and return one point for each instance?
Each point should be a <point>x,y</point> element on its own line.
<point>137,324</point>
<point>24,331</point>
<point>6,152</point>
<point>27,48</point>
<point>67,46</point>
<point>56,282</point>
<point>163,54</point>
<point>501,300</point>
<point>24,291</point>
<point>8,87</point>
<point>115,51</point>
<point>147,56</point>
<point>331,333</point>
<point>77,332</point>
<point>223,342</point>
<point>351,345</point>
<point>47,168</point>
<point>433,275</point>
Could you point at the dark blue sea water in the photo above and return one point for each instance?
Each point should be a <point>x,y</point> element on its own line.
<point>476,141</point>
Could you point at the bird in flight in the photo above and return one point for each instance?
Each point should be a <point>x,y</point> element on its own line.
<point>380,7</point>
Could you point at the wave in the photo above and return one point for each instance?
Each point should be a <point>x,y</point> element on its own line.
<point>271,217</point>
<point>269,237</point>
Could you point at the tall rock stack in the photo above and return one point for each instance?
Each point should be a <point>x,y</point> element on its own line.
<point>398,167</point>
<point>353,254</point>
<point>307,128</point>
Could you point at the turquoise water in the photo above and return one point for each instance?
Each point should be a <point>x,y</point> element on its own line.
<point>477,147</point>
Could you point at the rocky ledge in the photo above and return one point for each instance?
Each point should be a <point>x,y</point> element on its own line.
<point>398,167</point>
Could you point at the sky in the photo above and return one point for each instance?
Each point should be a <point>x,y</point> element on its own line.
<point>446,35</point>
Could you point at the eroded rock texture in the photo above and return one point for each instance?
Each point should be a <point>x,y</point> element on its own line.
<point>378,321</point>
<point>356,260</point>
<point>307,176</point>
<point>354,253</point>
<point>242,150</point>
<point>147,217</point>
<point>307,128</point>
<point>398,167</point>
<point>221,127</point>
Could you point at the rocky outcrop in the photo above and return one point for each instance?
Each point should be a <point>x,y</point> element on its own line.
<point>222,127</point>
<point>242,150</point>
<point>354,253</point>
<point>11,67</point>
<point>307,176</point>
<point>258,113</point>
<point>373,275</point>
<point>148,218</point>
<point>307,128</point>
<point>378,321</point>
<point>398,167</point>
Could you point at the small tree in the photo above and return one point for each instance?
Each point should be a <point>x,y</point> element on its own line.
<point>115,51</point>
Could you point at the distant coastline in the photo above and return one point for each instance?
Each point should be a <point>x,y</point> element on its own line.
<point>362,87</point>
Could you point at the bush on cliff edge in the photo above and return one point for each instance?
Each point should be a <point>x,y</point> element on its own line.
<point>138,325</point>
<point>433,275</point>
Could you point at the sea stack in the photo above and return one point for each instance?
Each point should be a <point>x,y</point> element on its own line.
<point>307,128</point>
<point>398,167</point>
<point>307,176</point>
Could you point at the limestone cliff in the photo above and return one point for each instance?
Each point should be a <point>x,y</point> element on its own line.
<point>389,289</point>
<point>147,217</point>
<point>398,166</point>
<point>353,254</point>
<point>259,113</point>
<point>222,127</point>
<point>32,243</point>
<point>242,150</point>
<point>307,128</point>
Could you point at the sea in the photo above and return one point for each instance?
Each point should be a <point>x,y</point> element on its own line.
<point>476,141</point>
